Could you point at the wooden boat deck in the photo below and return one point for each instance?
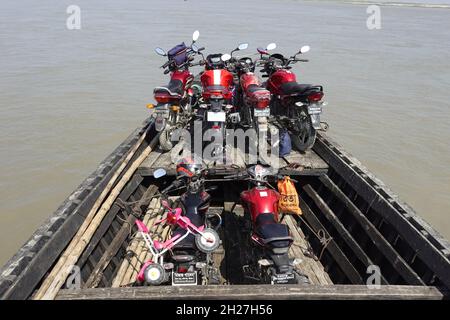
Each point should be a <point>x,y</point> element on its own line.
<point>308,163</point>
<point>228,258</point>
<point>350,221</point>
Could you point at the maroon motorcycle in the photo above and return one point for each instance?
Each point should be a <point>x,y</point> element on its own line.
<point>175,100</point>
<point>297,107</point>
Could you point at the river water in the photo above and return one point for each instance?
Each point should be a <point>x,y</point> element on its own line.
<point>68,97</point>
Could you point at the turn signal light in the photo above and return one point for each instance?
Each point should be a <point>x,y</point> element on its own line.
<point>150,106</point>
<point>175,108</point>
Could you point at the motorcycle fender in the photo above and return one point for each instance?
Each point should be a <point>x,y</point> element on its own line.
<point>160,124</point>
<point>315,120</point>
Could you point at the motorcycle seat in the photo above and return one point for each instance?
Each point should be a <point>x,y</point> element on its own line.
<point>174,88</point>
<point>269,230</point>
<point>253,88</point>
<point>295,88</point>
<point>217,88</point>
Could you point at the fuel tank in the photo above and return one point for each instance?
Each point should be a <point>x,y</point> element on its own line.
<point>278,78</point>
<point>217,84</point>
<point>260,200</point>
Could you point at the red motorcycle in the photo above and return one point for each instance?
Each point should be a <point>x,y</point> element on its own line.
<point>269,239</point>
<point>216,109</point>
<point>175,101</point>
<point>252,98</point>
<point>296,106</point>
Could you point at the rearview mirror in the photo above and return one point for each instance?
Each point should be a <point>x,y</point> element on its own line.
<point>160,51</point>
<point>225,57</point>
<point>242,46</point>
<point>158,173</point>
<point>271,46</point>
<point>304,49</point>
<point>195,35</point>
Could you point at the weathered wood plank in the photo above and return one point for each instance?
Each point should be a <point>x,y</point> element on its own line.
<point>376,237</point>
<point>343,232</point>
<point>336,252</point>
<point>428,249</point>
<point>259,292</point>
<point>114,246</point>
<point>312,268</point>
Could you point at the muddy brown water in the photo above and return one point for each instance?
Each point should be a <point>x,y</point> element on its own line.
<point>69,97</point>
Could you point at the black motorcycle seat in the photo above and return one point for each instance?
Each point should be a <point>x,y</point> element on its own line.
<point>254,88</point>
<point>295,88</point>
<point>269,230</point>
<point>174,88</point>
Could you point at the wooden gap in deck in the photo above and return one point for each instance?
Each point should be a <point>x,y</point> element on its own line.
<point>341,259</point>
<point>348,244</point>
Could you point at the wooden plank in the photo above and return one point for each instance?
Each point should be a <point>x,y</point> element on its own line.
<point>308,159</point>
<point>114,246</point>
<point>106,223</point>
<point>343,232</point>
<point>28,279</point>
<point>341,259</point>
<point>259,292</point>
<point>312,268</point>
<point>399,217</point>
<point>406,272</point>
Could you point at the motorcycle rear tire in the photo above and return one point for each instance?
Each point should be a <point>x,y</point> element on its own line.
<point>308,141</point>
<point>165,142</point>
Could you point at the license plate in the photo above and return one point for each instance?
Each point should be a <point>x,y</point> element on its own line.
<point>216,116</point>
<point>283,278</point>
<point>184,279</point>
<point>314,109</point>
<point>262,112</point>
<point>162,114</point>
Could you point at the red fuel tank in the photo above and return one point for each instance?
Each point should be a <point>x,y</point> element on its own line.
<point>261,200</point>
<point>278,78</point>
<point>217,83</point>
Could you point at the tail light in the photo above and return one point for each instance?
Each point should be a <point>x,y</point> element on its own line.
<point>164,98</point>
<point>262,103</point>
<point>316,96</point>
<point>182,269</point>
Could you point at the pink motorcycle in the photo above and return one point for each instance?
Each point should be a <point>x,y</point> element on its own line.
<point>156,271</point>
